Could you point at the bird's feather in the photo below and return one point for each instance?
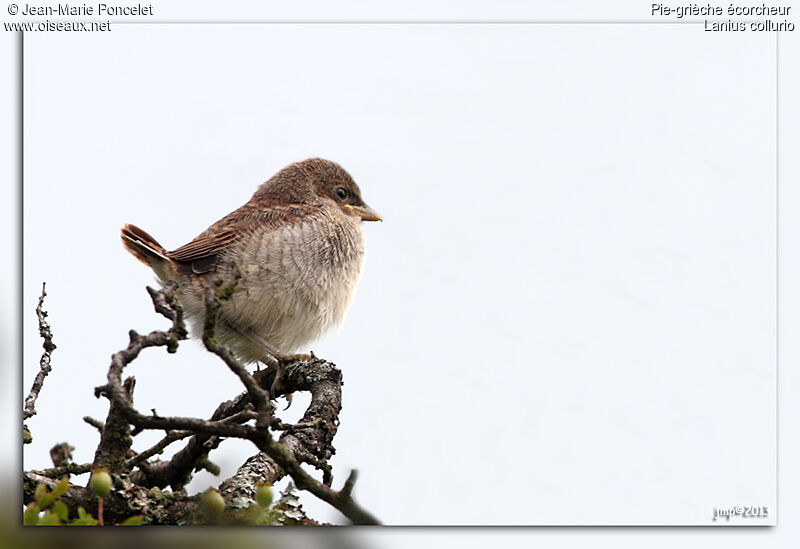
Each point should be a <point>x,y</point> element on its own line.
<point>201,254</point>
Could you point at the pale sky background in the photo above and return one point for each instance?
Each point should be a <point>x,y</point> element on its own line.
<point>568,315</point>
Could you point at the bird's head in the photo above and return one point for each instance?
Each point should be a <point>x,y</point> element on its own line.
<point>317,181</point>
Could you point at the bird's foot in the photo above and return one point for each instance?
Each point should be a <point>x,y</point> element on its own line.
<point>287,364</point>
<point>280,365</point>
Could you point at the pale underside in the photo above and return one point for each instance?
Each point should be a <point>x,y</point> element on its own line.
<point>297,281</point>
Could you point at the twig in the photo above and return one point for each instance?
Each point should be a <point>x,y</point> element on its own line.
<point>209,466</point>
<point>166,303</point>
<point>350,483</point>
<point>46,334</point>
<point>159,447</point>
<point>341,500</point>
<point>69,469</point>
<point>278,425</point>
<point>178,471</point>
<point>96,423</point>
<point>115,439</point>
<point>213,293</point>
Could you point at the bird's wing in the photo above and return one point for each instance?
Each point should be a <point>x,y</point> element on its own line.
<point>201,254</point>
<point>205,245</point>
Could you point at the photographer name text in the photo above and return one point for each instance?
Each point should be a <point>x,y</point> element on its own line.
<point>64,10</point>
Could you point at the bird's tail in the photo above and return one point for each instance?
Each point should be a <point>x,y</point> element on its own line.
<point>144,247</point>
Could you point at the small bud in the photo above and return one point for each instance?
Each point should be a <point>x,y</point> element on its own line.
<point>264,494</point>
<point>101,482</point>
<point>213,503</point>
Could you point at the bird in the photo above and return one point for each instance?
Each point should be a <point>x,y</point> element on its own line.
<point>294,253</point>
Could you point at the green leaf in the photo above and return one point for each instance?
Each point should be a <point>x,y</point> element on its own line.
<point>61,510</point>
<point>31,515</point>
<point>84,518</point>
<point>61,488</point>
<point>41,490</point>
<point>135,520</point>
<point>49,519</point>
<point>46,500</point>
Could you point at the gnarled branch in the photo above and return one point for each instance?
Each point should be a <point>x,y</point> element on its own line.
<point>310,444</point>
<point>250,416</point>
<point>29,409</point>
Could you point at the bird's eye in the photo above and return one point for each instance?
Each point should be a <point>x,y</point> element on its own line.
<point>341,192</point>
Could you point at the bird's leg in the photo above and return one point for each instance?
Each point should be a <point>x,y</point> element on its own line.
<point>271,357</point>
<point>278,362</point>
<point>275,361</point>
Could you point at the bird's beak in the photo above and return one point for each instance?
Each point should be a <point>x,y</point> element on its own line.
<point>364,212</point>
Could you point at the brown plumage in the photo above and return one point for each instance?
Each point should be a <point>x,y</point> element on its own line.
<point>297,245</point>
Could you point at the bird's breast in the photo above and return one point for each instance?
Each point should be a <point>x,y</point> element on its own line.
<point>298,281</point>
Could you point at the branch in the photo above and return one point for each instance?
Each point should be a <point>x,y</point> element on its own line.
<point>69,469</point>
<point>278,458</point>
<point>155,507</point>
<point>239,490</point>
<point>341,500</point>
<point>115,438</point>
<point>29,409</point>
<point>121,504</point>
<point>309,442</point>
<point>178,471</point>
<point>296,446</point>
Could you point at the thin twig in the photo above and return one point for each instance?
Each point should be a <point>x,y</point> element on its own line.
<point>159,447</point>
<point>96,423</point>
<point>258,396</point>
<point>209,466</point>
<point>278,425</point>
<point>350,483</point>
<point>44,362</point>
<point>194,456</point>
<point>115,439</point>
